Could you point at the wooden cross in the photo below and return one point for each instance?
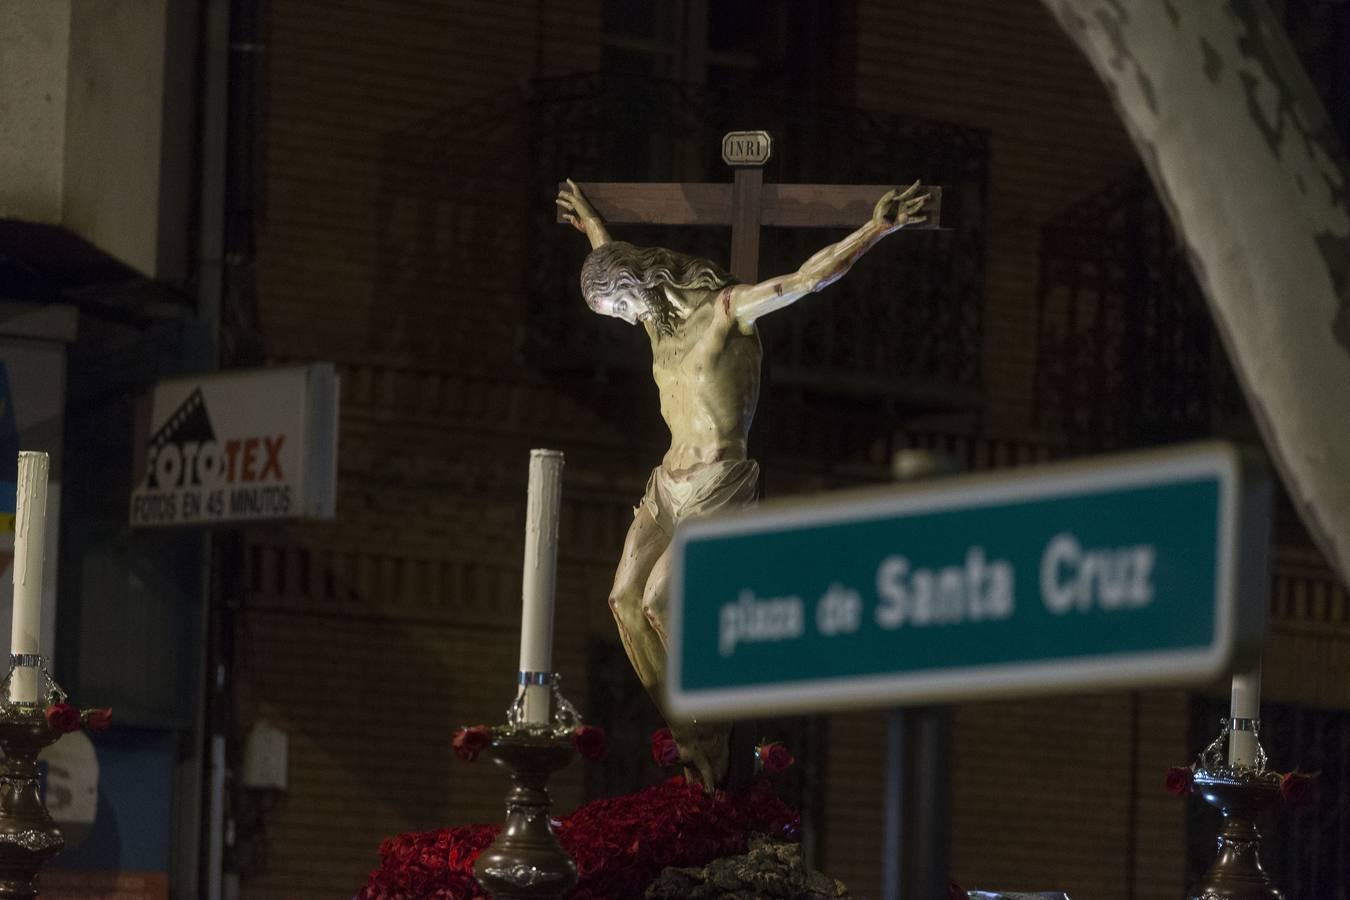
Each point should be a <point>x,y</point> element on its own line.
<point>746,205</point>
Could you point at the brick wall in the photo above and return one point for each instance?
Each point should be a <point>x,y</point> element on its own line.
<point>342,78</point>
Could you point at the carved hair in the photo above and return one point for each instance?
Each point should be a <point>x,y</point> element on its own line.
<point>619,266</point>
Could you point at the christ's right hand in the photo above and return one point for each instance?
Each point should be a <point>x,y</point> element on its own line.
<point>577,210</point>
<point>578,213</point>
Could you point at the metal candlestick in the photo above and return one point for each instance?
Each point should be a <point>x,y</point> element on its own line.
<point>1240,793</point>
<point>28,836</point>
<point>526,862</point>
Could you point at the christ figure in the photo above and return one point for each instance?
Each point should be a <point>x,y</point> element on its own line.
<point>706,362</point>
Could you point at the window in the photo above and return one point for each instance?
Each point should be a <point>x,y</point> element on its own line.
<point>654,51</point>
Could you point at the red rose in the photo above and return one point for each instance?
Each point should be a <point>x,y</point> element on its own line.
<point>1179,780</point>
<point>664,749</point>
<point>63,718</point>
<point>469,742</point>
<point>590,742</point>
<point>98,719</point>
<point>955,891</point>
<point>1297,788</point>
<point>774,758</point>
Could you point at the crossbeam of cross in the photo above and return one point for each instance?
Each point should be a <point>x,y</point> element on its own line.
<point>747,204</point>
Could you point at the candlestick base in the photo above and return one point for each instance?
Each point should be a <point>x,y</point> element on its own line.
<point>1237,873</point>
<point>526,862</point>
<point>28,836</point>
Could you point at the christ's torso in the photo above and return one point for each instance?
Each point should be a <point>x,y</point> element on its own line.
<point>708,379</point>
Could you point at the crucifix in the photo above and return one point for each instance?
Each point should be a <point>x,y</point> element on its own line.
<point>706,359</point>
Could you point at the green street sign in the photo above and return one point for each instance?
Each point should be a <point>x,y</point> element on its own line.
<point>1123,571</point>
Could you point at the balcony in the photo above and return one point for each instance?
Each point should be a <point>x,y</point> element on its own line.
<point>1128,354</point>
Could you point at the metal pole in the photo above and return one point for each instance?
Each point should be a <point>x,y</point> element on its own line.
<point>200,798</point>
<point>914,863</point>
<point>930,740</point>
<point>892,868</point>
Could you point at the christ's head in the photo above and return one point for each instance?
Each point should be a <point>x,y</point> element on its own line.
<point>627,282</point>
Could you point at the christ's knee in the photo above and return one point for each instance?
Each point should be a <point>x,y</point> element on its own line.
<point>627,609</point>
<point>654,611</point>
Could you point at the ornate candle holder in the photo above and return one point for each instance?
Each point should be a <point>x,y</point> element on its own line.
<point>28,836</point>
<point>526,860</point>
<point>1240,793</point>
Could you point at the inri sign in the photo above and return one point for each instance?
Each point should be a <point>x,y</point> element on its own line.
<point>1121,571</point>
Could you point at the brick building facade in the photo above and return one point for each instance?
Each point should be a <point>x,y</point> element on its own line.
<point>397,237</point>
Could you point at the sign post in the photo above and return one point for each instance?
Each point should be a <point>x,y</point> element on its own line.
<point>1146,568</point>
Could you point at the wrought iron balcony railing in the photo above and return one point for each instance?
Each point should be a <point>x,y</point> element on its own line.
<point>1128,354</point>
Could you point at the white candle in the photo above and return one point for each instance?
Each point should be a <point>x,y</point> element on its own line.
<point>1246,704</point>
<point>541,563</point>
<point>30,528</point>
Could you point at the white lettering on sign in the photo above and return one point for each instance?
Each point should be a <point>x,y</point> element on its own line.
<point>754,620</point>
<point>974,592</point>
<point>839,611</point>
<point>1109,579</point>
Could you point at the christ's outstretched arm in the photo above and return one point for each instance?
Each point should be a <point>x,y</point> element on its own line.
<point>893,211</point>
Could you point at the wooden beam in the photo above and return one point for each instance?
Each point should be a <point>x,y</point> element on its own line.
<point>836,205</point>
<point>746,207</point>
<point>708,203</point>
<point>657,203</point>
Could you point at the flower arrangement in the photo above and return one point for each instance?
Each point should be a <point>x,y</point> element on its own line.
<point>469,742</point>
<point>98,719</point>
<point>773,758</point>
<point>1298,788</point>
<point>665,752</point>
<point>591,742</point>
<point>1180,780</point>
<point>619,844</point>
<point>64,718</point>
